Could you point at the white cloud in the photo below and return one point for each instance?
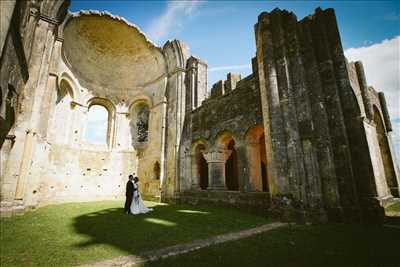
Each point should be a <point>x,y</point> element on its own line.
<point>232,67</point>
<point>382,69</point>
<point>396,138</point>
<point>172,19</point>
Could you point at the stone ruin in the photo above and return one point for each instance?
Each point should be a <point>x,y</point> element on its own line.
<point>303,136</point>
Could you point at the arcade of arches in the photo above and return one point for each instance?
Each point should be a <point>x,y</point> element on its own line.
<point>254,160</point>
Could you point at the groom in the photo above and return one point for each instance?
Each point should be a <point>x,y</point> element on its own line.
<point>129,194</point>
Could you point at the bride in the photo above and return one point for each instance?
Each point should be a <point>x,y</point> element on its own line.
<point>137,205</point>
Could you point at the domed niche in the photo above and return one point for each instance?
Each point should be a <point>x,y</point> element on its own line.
<point>105,52</point>
<point>139,125</point>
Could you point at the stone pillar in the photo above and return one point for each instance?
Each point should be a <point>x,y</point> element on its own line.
<point>37,84</point>
<point>176,54</point>
<point>362,81</point>
<point>385,112</point>
<point>196,75</point>
<point>275,140</point>
<point>195,185</point>
<point>216,160</point>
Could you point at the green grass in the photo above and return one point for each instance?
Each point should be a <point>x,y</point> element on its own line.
<point>301,245</point>
<point>393,208</point>
<point>72,234</point>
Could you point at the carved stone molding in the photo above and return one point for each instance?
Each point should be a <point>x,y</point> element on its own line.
<point>220,155</point>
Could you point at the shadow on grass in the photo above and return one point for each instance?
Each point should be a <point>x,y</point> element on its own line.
<point>330,244</point>
<point>131,233</point>
<point>392,220</point>
<point>164,226</point>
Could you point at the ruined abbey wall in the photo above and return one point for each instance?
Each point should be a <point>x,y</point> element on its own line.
<point>303,136</point>
<point>315,122</point>
<point>233,114</point>
<point>47,156</point>
<point>328,151</point>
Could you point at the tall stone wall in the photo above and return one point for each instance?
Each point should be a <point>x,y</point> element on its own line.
<point>305,115</point>
<point>318,149</point>
<point>24,65</point>
<point>49,159</point>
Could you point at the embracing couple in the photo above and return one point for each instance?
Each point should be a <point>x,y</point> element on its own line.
<point>134,203</point>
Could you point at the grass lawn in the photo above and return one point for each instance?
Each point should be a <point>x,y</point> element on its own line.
<point>302,245</point>
<point>394,207</point>
<point>72,234</point>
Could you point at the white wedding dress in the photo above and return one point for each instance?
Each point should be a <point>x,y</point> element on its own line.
<point>137,206</point>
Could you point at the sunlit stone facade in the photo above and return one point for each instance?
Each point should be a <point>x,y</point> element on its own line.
<point>302,135</point>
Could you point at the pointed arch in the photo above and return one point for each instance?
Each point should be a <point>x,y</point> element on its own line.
<point>109,107</point>
<point>256,158</point>
<point>225,140</point>
<point>139,113</point>
<point>199,164</point>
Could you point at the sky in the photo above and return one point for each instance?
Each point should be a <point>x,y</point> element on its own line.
<point>222,34</point>
<point>96,127</point>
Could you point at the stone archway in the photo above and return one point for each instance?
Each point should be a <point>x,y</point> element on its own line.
<point>226,142</point>
<point>199,167</point>
<point>256,159</point>
<point>231,168</point>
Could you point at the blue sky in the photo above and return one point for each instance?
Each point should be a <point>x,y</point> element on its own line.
<point>222,34</point>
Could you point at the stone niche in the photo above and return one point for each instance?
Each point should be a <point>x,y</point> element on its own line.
<point>110,53</point>
<point>139,125</point>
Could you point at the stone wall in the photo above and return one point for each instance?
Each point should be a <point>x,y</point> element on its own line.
<point>315,112</point>
<point>49,160</point>
<point>236,111</point>
<point>303,133</point>
<point>224,116</point>
<point>253,202</point>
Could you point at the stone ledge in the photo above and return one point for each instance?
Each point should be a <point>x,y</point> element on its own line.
<point>9,209</point>
<point>253,202</point>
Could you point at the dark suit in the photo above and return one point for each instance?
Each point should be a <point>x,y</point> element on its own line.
<point>129,195</point>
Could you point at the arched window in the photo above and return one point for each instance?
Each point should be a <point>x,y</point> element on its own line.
<point>97,125</point>
<point>226,141</point>
<point>64,92</point>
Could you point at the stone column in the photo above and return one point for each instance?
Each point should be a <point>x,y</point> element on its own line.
<point>195,185</point>
<point>39,74</point>
<point>364,90</point>
<point>216,160</point>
